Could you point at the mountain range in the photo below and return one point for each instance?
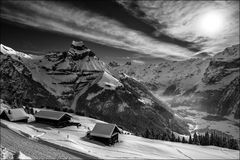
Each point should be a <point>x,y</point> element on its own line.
<point>78,80</point>
<point>209,84</point>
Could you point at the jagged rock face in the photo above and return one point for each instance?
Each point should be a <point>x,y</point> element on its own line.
<point>199,82</point>
<point>78,79</point>
<point>229,100</point>
<point>79,51</point>
<point>18,87</point>
<point>171,90</point>
<point>220,89</point>
<point>218,70</point>
<point>78,58</point>
<point>113,64</point>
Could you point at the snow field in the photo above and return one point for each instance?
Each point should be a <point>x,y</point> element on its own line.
<point>129,147</point>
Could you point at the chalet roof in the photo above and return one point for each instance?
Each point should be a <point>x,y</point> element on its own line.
<point>16,114</point>
<point>104,130</point>
<point>48,114</point>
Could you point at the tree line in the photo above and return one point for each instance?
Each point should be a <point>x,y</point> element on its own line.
<point>205,139</point>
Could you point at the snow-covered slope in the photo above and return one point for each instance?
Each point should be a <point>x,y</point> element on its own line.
<point>18,87</point>
<point>65,75</point>
<point>129,147</point>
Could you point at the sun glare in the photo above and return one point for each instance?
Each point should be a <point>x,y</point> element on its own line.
<point>211,23</point>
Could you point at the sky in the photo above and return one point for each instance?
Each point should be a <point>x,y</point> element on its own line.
<point>139,30</point>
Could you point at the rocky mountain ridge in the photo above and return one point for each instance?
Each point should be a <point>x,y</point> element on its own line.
<point>79,80</point>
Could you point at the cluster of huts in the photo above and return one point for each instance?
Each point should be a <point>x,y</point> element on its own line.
<point>53,118</point>
<point>103,132</point>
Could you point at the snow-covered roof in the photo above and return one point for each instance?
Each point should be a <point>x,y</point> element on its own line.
<point>16,114</point>
<point>104,130</point>
<point>47,114</point>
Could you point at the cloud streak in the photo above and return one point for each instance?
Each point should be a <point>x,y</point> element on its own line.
<point>174,19</point>
<point>66,18</point>
<point>180,19</point>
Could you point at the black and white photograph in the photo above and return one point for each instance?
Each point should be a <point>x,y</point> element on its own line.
<point>119,79</point>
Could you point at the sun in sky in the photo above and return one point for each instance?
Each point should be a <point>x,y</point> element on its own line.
<point>211,23</point>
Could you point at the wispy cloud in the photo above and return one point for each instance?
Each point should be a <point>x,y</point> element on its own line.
<point>180,20</point>
<point>56,16</point>
<point>176,19</point>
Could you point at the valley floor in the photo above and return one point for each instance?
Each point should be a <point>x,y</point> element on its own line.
<point>201,121</point>
<point>129,147</point>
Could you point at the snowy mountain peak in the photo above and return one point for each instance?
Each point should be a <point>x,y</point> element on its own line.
<point>9,51</point>
<point>77,43</point>
<point>79,51</point>
<point>229,54</point>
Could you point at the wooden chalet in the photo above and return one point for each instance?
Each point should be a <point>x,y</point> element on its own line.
<point>54,118</point>
<point>105,133</point>
<point>14,115</point>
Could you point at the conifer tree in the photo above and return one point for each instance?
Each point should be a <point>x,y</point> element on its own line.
<point>167,138</point>
<point>233,144</point>
<point>224,142</point>
<point>215,139</point>
<point>178,139</point>
<point>200,139</point>
<point>211,139</point>
<point>206,139</point>
<point>183,140</point>
<point>158,136</point>
<point>147,133</point>
<point>190,139</point>
<point>195,138</point>
<point>153,134</point>
<point>172,137</point>
<point>220,139</point>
